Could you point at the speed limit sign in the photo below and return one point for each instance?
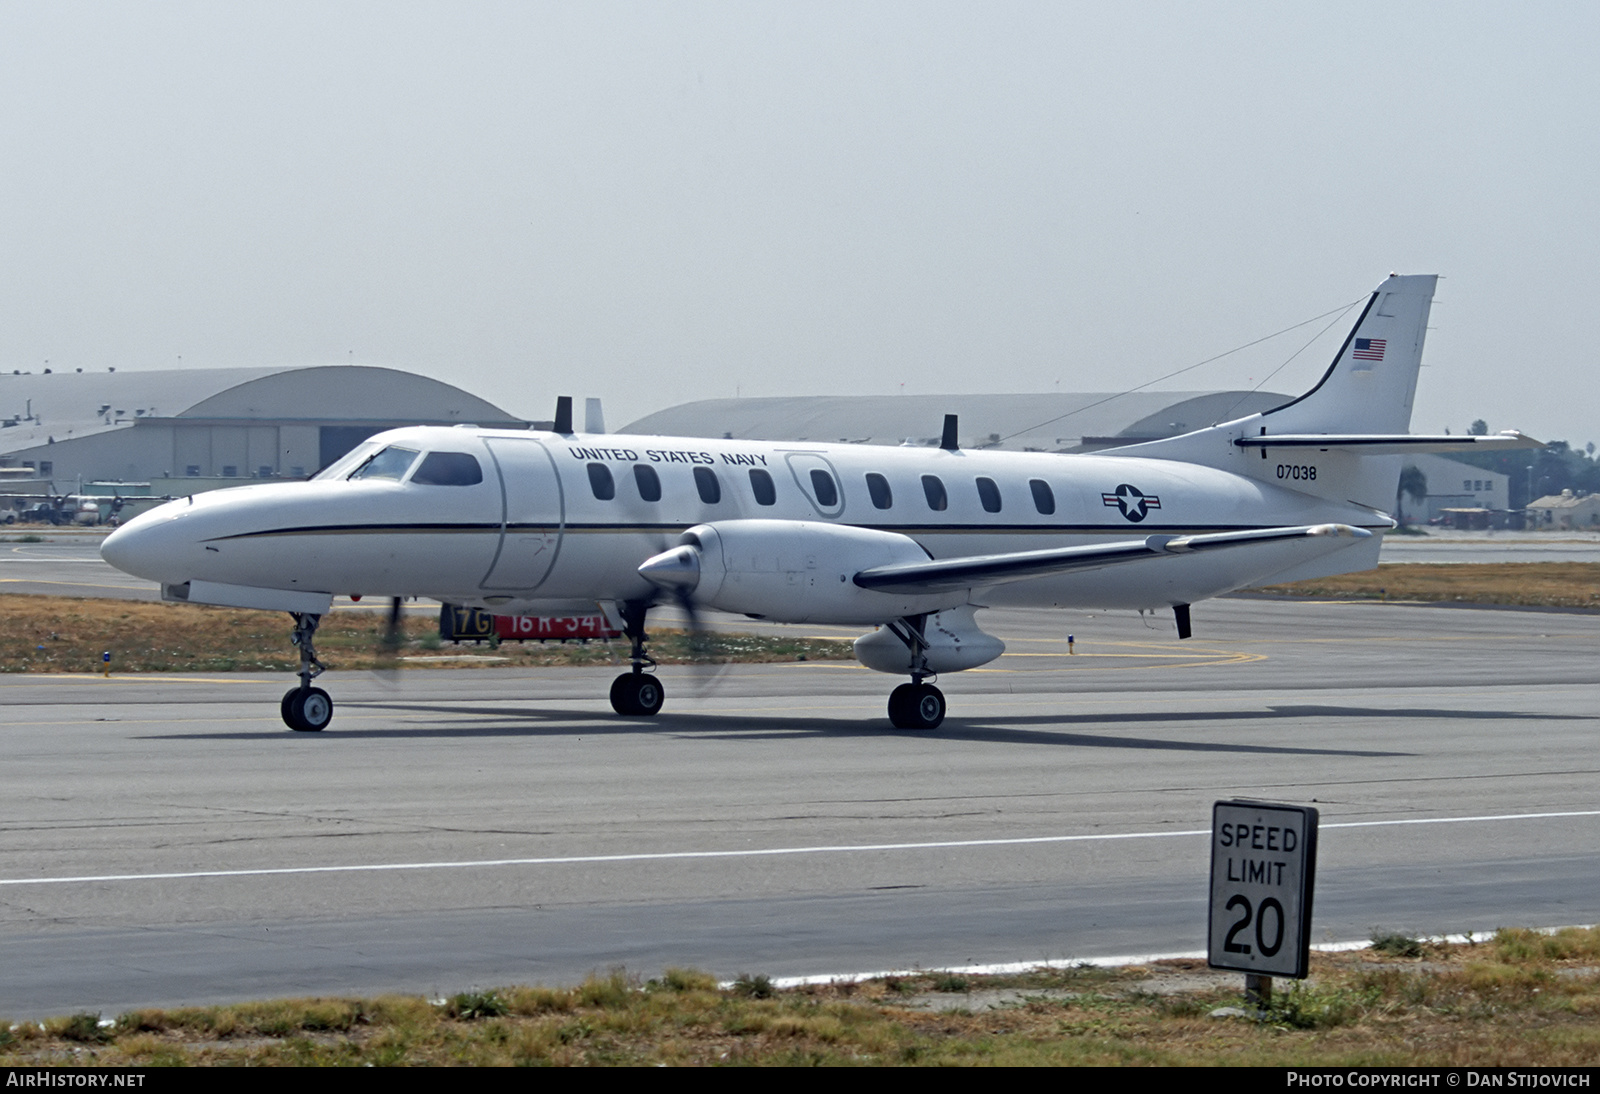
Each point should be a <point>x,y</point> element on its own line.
<point>1263,864</point>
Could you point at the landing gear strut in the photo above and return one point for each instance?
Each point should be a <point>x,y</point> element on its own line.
<point>306,709</point>
<point>637,693</point>
<point>915,705</point>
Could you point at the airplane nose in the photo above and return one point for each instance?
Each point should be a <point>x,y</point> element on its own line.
<point>144,547</point>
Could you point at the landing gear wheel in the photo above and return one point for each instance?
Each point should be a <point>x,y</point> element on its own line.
<point>307,710</point>
<point>637,694</point>
<point>916,706</point>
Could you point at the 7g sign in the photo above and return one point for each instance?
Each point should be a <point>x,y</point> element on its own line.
<point>1263,863</point>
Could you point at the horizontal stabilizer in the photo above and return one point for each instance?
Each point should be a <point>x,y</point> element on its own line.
<point>1392,444</point>
<point>941,575</point>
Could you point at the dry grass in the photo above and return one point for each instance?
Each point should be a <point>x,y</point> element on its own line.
<point>59,634</point>
<point>1535,584</point>
<point>1523,998</point>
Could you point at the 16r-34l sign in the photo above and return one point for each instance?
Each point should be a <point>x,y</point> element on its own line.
<point>1263,865</point>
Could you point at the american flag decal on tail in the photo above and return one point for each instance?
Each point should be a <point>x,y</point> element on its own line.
<point>1369,349</point>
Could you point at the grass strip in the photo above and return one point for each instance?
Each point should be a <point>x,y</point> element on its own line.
<point>1527,584</point>
<point>61,634</point>
<point>1521,998</point>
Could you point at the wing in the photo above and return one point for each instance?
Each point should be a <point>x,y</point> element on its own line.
<point>940,575</point>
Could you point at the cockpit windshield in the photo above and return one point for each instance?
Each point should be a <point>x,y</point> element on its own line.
<point>341,467</point>
<point>391,463</point>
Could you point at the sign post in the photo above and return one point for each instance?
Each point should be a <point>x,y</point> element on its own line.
<point>1263,869</point>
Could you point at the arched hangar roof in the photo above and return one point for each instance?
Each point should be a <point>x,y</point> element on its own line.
<point>349,392</point>
<point>37,408</point>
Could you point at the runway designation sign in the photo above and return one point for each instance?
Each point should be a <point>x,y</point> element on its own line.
<point>1263,864</point>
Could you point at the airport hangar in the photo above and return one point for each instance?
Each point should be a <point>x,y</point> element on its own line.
<point>209,427</point>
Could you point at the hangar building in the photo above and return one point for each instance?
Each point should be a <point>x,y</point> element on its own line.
<point>217,426</point>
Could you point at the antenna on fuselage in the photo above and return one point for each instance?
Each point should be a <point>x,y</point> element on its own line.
<point>563,423</point>
<point>948,441</point>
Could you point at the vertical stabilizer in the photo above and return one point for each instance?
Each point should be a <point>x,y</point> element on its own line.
<point>1367,390</point>
<point>1373,379</point>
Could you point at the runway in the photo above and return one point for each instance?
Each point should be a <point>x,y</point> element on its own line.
<point>166,840</point>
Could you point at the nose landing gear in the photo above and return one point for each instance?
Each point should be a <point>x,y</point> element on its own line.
<point>306,709</point>
<point>637,693</point>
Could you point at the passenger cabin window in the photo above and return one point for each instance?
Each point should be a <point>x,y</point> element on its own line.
<point>448,469</point>
<point>601,482</point>
<point>878,490</point>
<point>648,482</point>
<point>705,481</point>
<point>391,463</point>
<point>1044,499</point>
<point>761,486</point>
<point>989,494</point>
<point>933,488</point>
<point>827,490</point>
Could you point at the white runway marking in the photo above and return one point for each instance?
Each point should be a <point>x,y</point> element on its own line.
<point>662,856</point>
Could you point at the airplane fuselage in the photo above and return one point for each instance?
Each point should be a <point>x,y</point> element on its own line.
<point>520,519</point>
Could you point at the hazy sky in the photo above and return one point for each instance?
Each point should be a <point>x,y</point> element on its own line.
<point>659,202</point>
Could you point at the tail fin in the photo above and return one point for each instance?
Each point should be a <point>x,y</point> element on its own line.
<point>1373,378</point>
<point>1367,390</point>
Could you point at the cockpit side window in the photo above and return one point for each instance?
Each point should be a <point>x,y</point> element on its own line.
<point>392,463</point>
<point>449,469</point>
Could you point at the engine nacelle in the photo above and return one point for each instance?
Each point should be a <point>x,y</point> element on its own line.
<point>792,571</point>
<point>954,643</point>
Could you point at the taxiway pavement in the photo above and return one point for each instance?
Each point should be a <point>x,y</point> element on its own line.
<point>165,839</point>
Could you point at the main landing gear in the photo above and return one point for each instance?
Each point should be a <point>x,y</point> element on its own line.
<point>915,705</point>
<point>306,709</point>
<point>637,693</point>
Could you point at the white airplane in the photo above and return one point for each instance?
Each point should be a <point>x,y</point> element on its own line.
<point>910,541</point>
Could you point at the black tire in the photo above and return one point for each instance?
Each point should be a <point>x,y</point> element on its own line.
<point>307,710</point>
<point>636,695</point>
<point>899,704</point>
<point>916,706</point>
<point>622,694</point>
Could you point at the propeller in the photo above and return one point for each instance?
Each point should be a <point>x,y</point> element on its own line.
<point>677,573</point>
<point>392,639</point>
